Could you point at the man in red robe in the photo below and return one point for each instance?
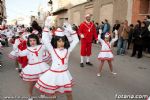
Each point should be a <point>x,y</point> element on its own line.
<point>87,31</point>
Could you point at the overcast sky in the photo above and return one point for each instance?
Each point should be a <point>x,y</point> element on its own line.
<point>16,8</point>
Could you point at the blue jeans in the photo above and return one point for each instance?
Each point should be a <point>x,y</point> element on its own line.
<point>121,46</point>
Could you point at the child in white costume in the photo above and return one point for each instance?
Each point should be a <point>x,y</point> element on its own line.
<point>18,40</point>
<point>105,53</point>
<point>36,66</point>
<point>58,78</point>
<point>68,29</point>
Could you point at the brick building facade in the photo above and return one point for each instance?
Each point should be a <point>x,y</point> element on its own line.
<point>131,10</point>
<point>2,11</point>
<point>141,8</point>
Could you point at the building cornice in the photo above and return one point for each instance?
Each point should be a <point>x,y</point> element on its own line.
<point>87,2</point>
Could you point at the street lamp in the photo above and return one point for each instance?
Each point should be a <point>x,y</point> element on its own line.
<point>50,3</point>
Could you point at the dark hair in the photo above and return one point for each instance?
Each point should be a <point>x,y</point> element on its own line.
<point>139,23</point>
<point>148,17</point>
<point>106,20</point>
<point>131,25</point>
<point>144,23</point>
<point>29,29</point>
<point>66,18</point>
<point>97,23</point>
<point>33,36</point>
<point>22,26</point>
<point>20,33</point>
<point>57,38</point>
<point>36,26</point>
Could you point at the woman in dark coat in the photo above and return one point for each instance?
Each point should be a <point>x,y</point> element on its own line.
<point>130,35</point>
<point>138,38</point>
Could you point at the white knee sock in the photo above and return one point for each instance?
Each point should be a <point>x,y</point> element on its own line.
<point>82,59</point>
<point>88,59</point>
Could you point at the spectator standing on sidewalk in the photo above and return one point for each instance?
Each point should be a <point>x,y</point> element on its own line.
<point>123,38</point>
<point>130,35</point>
<point>116,25</point>
<point>115,31</point>
<point>97,28</point>
<point>138,36</point>
<point>147,43</point>
<point>106,28</point>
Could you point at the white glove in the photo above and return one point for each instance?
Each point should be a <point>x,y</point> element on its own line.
<point>82,36</point>
<point>99,36</point>
<point>97,42</point>
<point>100,31</point>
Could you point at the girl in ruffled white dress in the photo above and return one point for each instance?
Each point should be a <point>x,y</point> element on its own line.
<point>17,41</point>
<point>58,80</point>
<point>105,53</point>
<point>36,66</point>
<point>19,44</point>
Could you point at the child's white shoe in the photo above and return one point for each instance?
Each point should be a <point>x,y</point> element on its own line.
<point>30,98</point>
<point>113,73</point>
<point>42,96</point>
<point>98,74</point>
<point>17,69</point>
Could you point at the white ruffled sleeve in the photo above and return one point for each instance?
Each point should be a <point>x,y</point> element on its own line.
<point>100,39</point>
<point>114,39</point>
<point>74,42</point>
<point>46,40</point>
<point>15,45</point>
<point>22,53</point>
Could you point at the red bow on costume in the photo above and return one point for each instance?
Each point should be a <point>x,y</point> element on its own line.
<point>36,53</point>
<point>62,59</point>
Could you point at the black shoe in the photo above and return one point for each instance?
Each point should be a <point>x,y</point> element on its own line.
<point>118,53</point>
<point>139,57</point>
<point>88,63</point>
<point>132,55</point>
<point>81,65</point>
<point>19,70</point>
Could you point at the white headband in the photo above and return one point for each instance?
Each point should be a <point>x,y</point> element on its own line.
<point>59,32</point>
<point>107,35</point>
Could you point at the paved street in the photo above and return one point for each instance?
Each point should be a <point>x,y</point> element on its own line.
<point>132,78</point>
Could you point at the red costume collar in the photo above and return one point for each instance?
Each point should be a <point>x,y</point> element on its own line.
<point>62,59</point>
<point>35,52</point>
<point>89,26</point>
<point>107,44</point>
